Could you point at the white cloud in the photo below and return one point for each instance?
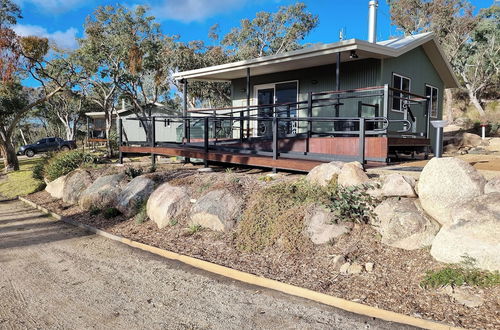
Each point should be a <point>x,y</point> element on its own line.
<point>63,39</point>
<point>192,10</point>
<point>56,6</point>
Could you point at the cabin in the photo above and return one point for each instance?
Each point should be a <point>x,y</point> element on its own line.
<point>352,100</point>
<point>134,131</point>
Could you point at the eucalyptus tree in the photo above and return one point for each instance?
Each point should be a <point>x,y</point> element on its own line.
<point>123,54</point>
<point>22,57</point>
<point>271,33</point>
<point>458,30</point>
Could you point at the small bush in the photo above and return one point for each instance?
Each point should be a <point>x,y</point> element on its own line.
<point>142,214</point>
<point>458,275</point>
<point>110,212</point>
<point>193,229</point>
<point>38,171</point>
<point>132,172</point>
<point>94,210</point>
<point>63,163</point>
<point>276,213</point>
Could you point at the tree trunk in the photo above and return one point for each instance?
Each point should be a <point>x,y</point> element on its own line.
<point>10,161</point>
<point>475,101</point>
<point>108,142</point>
<point>448,105</point>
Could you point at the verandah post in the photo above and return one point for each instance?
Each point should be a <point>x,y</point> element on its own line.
<point>309,122</point>
<point>120,140</point>
<point>186,137</point>
<point>362,135</point>
<point>275,140</point>
<point>153,140</point>
<point>205,139</point>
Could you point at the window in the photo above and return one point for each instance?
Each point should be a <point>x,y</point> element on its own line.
<point>402,83</point>
<point>432,93</point>
<point>51,140</point>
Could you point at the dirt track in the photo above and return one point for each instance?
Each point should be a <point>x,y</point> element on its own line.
<point>53,275</point>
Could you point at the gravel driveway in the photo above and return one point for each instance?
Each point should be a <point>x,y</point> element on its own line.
<point>53,275</point>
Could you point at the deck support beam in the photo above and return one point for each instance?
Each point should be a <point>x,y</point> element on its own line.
<point>153,141</point>
<point>120,139</point>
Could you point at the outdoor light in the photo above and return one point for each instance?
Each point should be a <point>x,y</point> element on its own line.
<point>353,54</point>
<point>439,125</point>
<point>314,82</point>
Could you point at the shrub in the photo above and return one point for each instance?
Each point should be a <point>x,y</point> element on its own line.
<point>110,212</point>
<point>63,163</point>
<point>276,213</point>
<point>94,210</point>
<point>457,276</point>
<point>193,229</point>
<point>38,171</point>
<point>142,214</point>
<point>132,172</point>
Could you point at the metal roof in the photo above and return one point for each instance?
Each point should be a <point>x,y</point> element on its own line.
<point>321,54</point>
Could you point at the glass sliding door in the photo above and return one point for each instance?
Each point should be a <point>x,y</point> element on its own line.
<point>265,97</point>
<point>287,93</point>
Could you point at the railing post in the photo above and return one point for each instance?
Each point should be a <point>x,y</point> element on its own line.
<point>205,139</point>
<point>241,126</point>
<point>309,122</point>
<point>275,140</point>
<point>120,140</point>
<point>153,140</point>
<point>362,141</point>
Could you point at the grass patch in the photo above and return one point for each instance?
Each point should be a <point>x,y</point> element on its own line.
<point>193,229</point>
<point>142,214</point>
<point>458,275</point>
<point>276,213</point>
<point>21,183</point>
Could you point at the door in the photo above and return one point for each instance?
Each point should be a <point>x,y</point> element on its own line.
<point>286,93</point>
<point>265,97</point>
<point>279,95</point>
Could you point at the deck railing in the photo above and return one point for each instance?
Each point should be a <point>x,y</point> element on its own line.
<point>285,130</point>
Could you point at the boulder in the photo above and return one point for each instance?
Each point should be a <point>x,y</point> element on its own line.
<point>133,195</point>
<point>492,185</point>
<point>352,174</point>
<point>216,210</point>
<point>166,204</point>
<point>403,224</point>
<point>319,226</point>
<point>103,192</point>
<point>467,140</point>
<point>75,184</point>
<point>446,183</point>
<point>474,231</point>
<point>56,188</point>
<point>397,185</point>
<point>324,174</point>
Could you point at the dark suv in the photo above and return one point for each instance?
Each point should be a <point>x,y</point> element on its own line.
<point>46,144</point>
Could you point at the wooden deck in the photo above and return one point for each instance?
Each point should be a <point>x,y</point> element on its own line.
<point>376,150</point>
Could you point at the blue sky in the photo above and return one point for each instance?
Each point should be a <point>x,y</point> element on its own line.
<point>62,20</point>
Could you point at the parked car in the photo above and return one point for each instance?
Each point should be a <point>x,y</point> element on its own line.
<point>46,144</point>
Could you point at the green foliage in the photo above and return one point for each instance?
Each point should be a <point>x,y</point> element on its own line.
<point>142,214</point>
<point>132,172</point>
<point>271,33</point>
<point>152,168</point>
<point>38,171</point>
<point>94,210</point>
<point>193,229</point>
<point>458,276</point>
<point>266,178</point>
<point>173,222</point>
<point>63,163</point>
<point>276,213</point>
<point>351,204</point>
<point>110,212</point>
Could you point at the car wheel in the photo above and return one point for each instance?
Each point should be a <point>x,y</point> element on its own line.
<point>29,153</point>
<point>64,148</point>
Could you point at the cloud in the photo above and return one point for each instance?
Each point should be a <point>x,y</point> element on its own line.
<point>56,6</point>
<point>63,39</point>
<point>193,10</point>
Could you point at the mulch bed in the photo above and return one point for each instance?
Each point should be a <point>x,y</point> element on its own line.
<point>393,284</point>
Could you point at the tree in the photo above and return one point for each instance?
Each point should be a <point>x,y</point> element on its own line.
<point>67,108</point>
<point>22,57</point>
<point>454,24</point>
<point>123,52</point>
<point>271,33</point>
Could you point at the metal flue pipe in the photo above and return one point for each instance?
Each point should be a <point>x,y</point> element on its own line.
<point>372,21</point>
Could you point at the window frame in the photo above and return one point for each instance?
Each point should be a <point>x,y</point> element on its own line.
<point>436,115</point>
<point>400,87</point>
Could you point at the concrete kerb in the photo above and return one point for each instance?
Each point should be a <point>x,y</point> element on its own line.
<point>247,278</point>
